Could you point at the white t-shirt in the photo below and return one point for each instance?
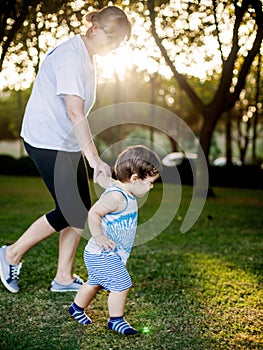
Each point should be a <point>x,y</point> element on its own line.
<point>67,70</point>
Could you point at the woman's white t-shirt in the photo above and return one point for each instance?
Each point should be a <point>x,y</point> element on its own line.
<point>67,70</point>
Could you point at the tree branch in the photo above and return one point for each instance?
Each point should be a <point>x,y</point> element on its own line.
<point>180,78</point>
<point>251,53</point>
<point>223,97</point>
<point>217,30</point>
<point>19,19</point>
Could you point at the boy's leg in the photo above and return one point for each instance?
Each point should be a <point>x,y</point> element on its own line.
<point>116,304</point>
<point>85,294</point>
<point>83,298</point>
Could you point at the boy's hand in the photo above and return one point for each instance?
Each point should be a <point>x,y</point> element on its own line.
<point>104,243</point>
<point>104,181</point>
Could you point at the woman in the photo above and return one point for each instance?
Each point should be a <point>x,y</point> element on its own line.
<point>56,132</point>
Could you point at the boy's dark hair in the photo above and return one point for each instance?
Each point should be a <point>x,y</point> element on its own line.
<point>139,160</point>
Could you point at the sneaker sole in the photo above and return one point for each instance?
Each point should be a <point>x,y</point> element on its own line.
<point>12,290</point>
<point>63,290</point>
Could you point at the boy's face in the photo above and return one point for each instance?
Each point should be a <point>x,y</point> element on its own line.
<point>140,187</point>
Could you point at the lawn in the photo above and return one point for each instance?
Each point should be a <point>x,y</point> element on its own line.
<point>201,290</point>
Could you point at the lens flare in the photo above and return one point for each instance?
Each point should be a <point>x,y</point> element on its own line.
<point>146,330</point>
<point>169,125</point>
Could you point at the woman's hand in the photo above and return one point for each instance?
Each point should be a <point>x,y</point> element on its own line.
<point>101,168</point>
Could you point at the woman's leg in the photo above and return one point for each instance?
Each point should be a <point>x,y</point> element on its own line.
<point>68,243</point>
<point>69,169</point>
<point>10,256</point>
<point>73,201</point>
<point>65,177</point>
<point>38,231</point>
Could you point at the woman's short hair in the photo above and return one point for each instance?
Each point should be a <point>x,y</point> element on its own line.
<point>138,160</point>
<point>113,21</point>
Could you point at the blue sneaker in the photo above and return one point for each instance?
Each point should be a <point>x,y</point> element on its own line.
<point>72,287</point>
<point>9,273</point>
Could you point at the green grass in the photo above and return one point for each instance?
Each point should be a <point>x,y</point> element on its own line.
<point>201,290</point>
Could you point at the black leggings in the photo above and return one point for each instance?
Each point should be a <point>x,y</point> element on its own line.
<point>65,176</point>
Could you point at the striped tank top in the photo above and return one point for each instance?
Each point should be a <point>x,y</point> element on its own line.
<point>120,227</point>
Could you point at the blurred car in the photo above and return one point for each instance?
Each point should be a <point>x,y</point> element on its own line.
<point>222,161</point>
<point>176,158</point>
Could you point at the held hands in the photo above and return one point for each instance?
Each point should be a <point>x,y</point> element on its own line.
<point>101,169</point>
<point>104,243</point>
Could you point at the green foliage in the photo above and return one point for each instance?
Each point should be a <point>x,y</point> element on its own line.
<point>133,89</point>
<point>191,31</point>
<point>196,291</point>
<point>12,106</point>
<point>22,21</point>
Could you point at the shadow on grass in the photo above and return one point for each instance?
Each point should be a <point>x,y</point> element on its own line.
<point>199,291</point>
<point>207,284</point>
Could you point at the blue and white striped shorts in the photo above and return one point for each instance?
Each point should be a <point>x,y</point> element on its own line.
<point>108,271</point>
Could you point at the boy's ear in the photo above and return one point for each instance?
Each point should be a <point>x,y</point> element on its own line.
<point>134,177</point>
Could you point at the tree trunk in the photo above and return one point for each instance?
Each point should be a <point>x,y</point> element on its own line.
<point>174,144</point>
<point>224,99</point>
<point>205,138</point>
<point>255,124</point>
<point>206,132</point>
<point>228,138</point>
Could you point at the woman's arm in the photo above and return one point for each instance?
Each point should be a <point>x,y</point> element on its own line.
<point>75,109</point>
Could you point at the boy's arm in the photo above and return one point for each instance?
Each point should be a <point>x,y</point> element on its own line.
<point>108,203</point>
<point>104,181</point>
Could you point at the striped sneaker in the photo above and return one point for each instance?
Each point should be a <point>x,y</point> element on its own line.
<point>72,287</point>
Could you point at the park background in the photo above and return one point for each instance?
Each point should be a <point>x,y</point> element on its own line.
<point>201,60</point>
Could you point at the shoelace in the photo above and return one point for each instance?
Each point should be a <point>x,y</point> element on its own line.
<point>15,271</point>
<point>78,279</point>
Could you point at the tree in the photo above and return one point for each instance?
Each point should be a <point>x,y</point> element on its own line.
<point>235,65</point>
<point>258,106</point>
<point>29,28</point>
<point>247,113</point>
<point>12,104</point>
<point>16,16</point>
<point>174,30</point>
